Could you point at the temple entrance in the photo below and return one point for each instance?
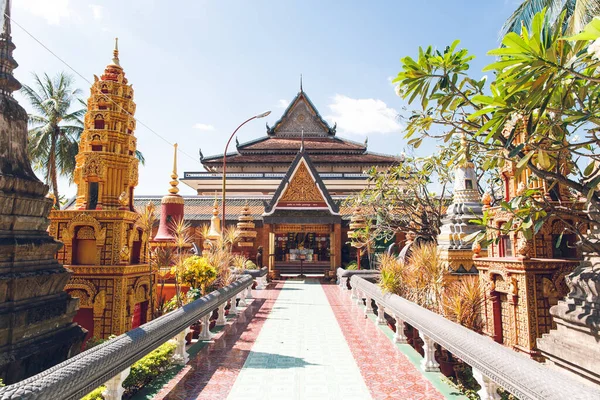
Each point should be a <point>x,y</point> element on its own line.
<point>302,248</point>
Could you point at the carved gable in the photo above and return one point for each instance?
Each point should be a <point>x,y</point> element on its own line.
<point>301,116</point>
<point>302,189</point>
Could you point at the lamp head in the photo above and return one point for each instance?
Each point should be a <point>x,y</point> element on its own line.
<point>263,114</point>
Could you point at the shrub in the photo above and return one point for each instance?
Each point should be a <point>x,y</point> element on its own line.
<point>463,302</point>
<point>393,275</point>
<point>149,367</point>
<point>250,265</point>
<point>95,394</point>
<point>353,266</point>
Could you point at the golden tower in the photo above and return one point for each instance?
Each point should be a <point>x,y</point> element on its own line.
<point>105,243</point>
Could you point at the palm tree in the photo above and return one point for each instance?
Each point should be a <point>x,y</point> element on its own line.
<point>577,14</point>
<point>56,129</point>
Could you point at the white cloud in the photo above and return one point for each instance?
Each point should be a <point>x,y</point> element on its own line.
<point>203,127</point>
<point>97,11</point>
<point>52,11</point>
<point>363,116</point>
<point>282,103</point>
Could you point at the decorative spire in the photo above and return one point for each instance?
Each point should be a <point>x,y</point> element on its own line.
<point>215,222</point>
<point>115,59</point>
<point>8,83</point>
<point>301,83</point>
<point>174,189</point>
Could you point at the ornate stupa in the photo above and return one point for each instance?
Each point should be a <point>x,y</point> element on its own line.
<point>105,243</point>
<point>215,223</point>
<point>171,208</point>
<point>36,315</point>
<point>246,227</point>
<point>466,206</point>
<point>357,222</point>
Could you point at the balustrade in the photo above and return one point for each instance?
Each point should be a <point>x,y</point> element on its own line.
<point>109,362</point>
<point>494,366</point>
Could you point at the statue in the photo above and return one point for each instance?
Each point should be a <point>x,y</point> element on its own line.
<point>259,256</point>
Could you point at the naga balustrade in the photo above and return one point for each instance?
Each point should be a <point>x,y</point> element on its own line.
<point>109,362</point>
<point>493,364</point>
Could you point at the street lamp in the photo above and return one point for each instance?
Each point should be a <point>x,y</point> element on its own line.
<point>262,115</point>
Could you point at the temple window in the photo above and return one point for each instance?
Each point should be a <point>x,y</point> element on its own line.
<point>104,89</point>
<point>505,246</point>
<point>102,107</point>
<point>563,246</point>
<point>469,184</point>
<point>99,122</point>
<point>136,246</point>
<point>84,246</point>
<point>92,195</point>
<point>96,147</point>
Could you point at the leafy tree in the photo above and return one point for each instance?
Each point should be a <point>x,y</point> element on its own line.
<point>199,273</point>
<point>578,13</point>
<point>541,113</point>
<point>55,128</point>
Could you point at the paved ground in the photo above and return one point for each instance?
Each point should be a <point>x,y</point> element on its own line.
<point>303,340</point>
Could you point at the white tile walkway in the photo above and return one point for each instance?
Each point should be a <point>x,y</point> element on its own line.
<point>300,353</point>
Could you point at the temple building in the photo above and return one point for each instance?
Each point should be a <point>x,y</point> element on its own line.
<point>105,244</point>
<point>455,252</point>
<point>291,184</point>
<point>524,277</point>
<point>36,315</point>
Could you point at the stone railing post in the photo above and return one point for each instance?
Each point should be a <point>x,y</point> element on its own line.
<point>205,333</point>
<point>428,362</point>
<point>114,386</point>
<point>249,292</point>
<point>489,388</point>
<point>233,309</point>
<point>359,298</point>
<point>242,297</point>
<point>343,283</point>
<point>221,320</point>
<point>353,293</point>
<point>368,306</point>
<point>399,336</point>
<point>380,314</point>
<point>181,356</point>
<point>261,282</point>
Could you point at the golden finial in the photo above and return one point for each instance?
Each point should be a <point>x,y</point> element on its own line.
<point>216,206</point>
<point>116,53</point>
<point>174,189</point>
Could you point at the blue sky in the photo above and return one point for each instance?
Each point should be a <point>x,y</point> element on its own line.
<point>199,68</point>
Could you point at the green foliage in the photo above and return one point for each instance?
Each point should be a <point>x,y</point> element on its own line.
<point>198,273</point>
<point>95,394</point>
<point>250,265</point>
<point>540,114</point>
<point>93,342</point>
<point>352,266</point>
<point>149,367</point>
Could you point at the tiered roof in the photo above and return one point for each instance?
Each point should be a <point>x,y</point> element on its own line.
<point>300,124</point>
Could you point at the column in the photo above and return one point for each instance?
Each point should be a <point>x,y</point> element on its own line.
<point>489,388</point>
<point>205,333</point>
<point>368,306</point>
<point>181,356</point>
<point>221,320</point>
<point>114,386</point>
<point>399,336</point>
<point>428,363</point>
<point>380,314</point>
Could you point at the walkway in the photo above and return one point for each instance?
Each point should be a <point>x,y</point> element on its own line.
<point>304,340</point>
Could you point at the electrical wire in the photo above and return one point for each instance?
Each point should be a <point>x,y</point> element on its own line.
<point>89,82</point>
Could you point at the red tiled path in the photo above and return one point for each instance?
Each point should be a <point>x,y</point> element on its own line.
<point>386,371</point>
<point>210,374</point>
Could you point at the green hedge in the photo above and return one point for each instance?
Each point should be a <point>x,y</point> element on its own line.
<point>142,372</point>
<point>148,368</point>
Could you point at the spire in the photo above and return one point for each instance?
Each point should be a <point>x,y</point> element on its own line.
<point>174,189</point>
<point>115,59</point>
<point>215,222</point>
<point>8,83</point>
<point>301,83</point>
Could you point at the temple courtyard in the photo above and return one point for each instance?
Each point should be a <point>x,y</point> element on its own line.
<point>304,339</point>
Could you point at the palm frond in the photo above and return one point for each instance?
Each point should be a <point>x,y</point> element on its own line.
<point>523,15</point>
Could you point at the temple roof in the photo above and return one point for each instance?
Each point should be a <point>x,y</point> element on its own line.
<point>301,115</point>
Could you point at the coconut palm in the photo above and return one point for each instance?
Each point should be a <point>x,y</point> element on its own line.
<point>55,128</point>
<point>577,14</point>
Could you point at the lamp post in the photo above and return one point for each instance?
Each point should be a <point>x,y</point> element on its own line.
<point>262,115</point>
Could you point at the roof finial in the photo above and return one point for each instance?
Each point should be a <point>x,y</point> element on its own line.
<point>174,189</point>
<point>8,83</point>
<point>116,53</point>
<point>300,83</point>
<point>302,144</point>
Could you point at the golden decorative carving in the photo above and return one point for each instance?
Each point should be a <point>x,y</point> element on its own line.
<point>302,187</point>
<point>86,232</point>
<point>94,166</point>
<point>100,303</point>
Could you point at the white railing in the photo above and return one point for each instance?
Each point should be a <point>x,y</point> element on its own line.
<point>493,365</point>
<point>109,362</point>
